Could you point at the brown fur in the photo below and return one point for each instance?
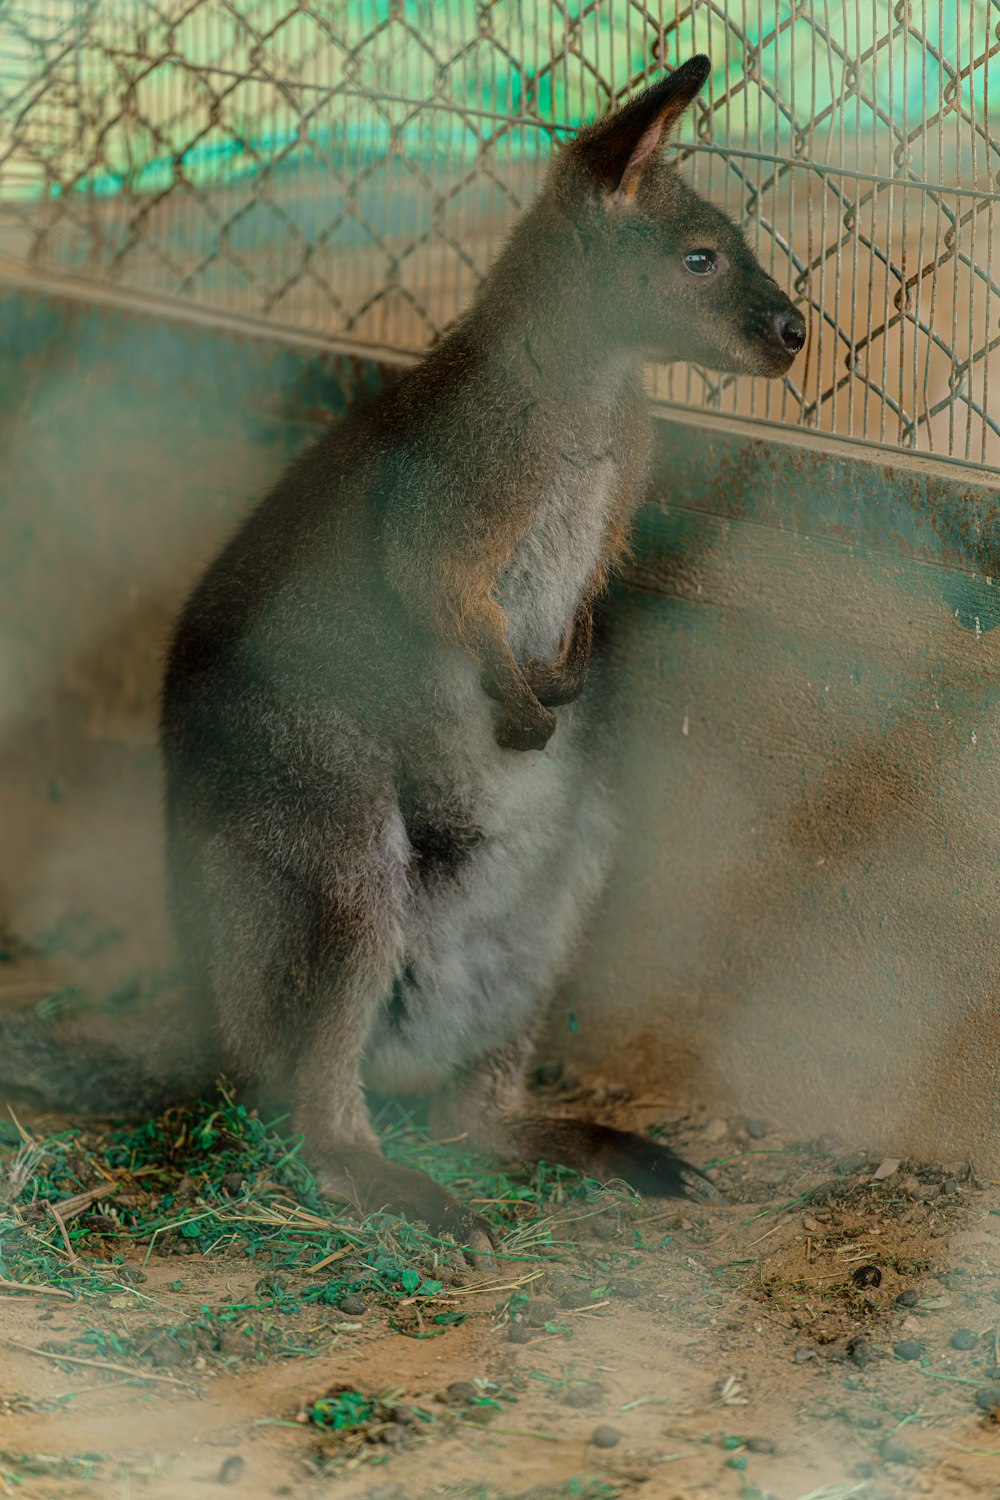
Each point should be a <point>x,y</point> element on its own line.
<point>369,881</point>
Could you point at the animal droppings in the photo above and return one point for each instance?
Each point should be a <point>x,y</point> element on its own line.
<point>896,1451</point>
<point>908,1349</point>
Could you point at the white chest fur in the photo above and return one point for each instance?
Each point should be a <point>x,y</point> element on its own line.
<point>554,561</point>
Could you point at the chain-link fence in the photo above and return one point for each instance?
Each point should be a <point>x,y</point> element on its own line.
<point>346,167</point>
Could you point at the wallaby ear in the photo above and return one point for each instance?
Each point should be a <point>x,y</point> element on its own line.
<point>618,149</point>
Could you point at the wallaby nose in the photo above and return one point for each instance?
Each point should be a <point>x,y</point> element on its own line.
<point>791,330</point>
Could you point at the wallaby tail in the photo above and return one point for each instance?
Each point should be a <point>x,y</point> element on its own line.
<point>62,1069</point>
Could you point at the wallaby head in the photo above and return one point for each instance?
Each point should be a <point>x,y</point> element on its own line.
<point>663,272</point>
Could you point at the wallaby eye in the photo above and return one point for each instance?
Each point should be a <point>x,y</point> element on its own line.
<point>701,262</point>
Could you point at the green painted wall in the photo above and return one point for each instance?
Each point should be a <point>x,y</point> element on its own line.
<point>803,923</point>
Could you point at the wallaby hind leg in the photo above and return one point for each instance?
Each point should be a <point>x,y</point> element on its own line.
<point>302,959</point>
<point>492,1104</point>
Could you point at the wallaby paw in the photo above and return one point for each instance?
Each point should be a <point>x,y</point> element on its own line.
<point>559,697</point>
<point>490,688</point>
<point>552,688</point>
<point>527,734</point>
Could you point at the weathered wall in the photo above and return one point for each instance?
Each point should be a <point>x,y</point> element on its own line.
<point>805,922</point>
<point>802,924</point>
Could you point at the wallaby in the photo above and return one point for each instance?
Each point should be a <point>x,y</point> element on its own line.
<point>383,839</point>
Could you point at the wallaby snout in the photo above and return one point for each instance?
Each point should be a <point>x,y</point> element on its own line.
<point>770,329</point>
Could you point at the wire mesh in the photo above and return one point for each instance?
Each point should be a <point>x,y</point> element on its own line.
<point>347,167</point>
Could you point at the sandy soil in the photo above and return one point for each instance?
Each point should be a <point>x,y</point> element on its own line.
<point>687,1330</point>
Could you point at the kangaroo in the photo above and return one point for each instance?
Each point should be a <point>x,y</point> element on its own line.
<point>388,727</point>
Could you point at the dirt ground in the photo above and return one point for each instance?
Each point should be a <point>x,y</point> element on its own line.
<point>761,1349</point>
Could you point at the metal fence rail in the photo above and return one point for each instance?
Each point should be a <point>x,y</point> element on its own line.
<point>347,167</point>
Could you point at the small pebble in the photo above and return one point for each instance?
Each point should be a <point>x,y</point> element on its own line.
<point>232,1470</point>
<point>964,1338</point>
<point>988,1398</point>
<point>463,1390</point>
<point>760,1445</point>
<point>810,1226</point>
<point>803,1355</point>
<point>867,1276</point>
<point>579,1396</point>
<point>860,1350</point>
<point>627,1288</point>
<point>757,1129</point>
<point>605,1437</point>
<point>518,1334</point>
<point>908,1349</point>
<point>540,1310</point>
<point>908,1298</point>
<point>715,1129</point>
<point>950,1186</point>
<point>928,1191</point>
<point>353,1306</point>
<point>392,1435</point>
<point>481,1415</point>
<point>895,1451</point>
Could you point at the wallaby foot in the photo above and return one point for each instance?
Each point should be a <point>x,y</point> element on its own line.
<point>372,1184</point>
<point>609,1155</point>
<point>491,1103</point>
<point>527,730</point>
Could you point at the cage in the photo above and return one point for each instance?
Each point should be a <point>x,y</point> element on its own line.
<point>223,220</point>
<point>347,169</point>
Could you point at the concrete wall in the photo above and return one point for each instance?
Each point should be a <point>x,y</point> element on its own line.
<point>802,925</point>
